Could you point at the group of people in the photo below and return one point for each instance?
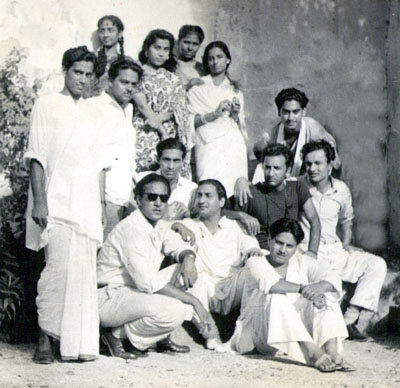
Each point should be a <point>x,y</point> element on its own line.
<point>140,197</point>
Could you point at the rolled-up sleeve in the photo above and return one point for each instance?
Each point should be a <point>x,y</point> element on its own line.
<point>259,270</point>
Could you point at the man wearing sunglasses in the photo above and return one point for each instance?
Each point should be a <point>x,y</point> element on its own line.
<point>137,300</point>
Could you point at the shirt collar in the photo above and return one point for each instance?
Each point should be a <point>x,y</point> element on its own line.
<point>138,217</point>
<point>333,189</point>
<point>110,100</point>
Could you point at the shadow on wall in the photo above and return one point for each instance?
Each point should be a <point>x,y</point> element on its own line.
<point>333,50</point>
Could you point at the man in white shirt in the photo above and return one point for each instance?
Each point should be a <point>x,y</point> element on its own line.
<point>137,300</point>
<point>116,114</point>
<point>171,153</point>
<point>332,200</point>
<point>217,275</point>
<point>64,212</point>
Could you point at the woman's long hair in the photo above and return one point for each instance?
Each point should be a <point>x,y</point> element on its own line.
<point>102,57</point>
<point>222,46</point>
<point>152,36</point>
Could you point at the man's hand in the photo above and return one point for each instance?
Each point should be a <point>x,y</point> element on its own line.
<point>186,234</point>
<point>194,82</point>
<point>204,316</point>
<point>242,191</point>
<point>251,223</point>
<point>40,213</point>
<point>177,211</point>
<point>188,271</point>
<point>313,291</point>
<point>253,252</point>
<point>311,254</point>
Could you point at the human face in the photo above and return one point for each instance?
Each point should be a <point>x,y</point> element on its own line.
<point>275,171</point>
<point>108,33</point>
<point>188,47</point>
<point>153,210</point>
<point>121,87</point>
<point>77,77</point>
<point>282,248</point>
<point>171,162</point>
<point>217,61</point>
<point>158,53</point>
<point>208,203</point>
<point>291,114</point>
<point>317,167</point>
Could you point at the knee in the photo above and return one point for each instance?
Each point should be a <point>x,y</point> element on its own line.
<point>377,265</point>
<point>173,314</point>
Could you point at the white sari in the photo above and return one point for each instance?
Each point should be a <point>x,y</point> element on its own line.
<point>220,146</point>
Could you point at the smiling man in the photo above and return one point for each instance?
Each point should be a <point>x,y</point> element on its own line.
<point>137,299</point>
<point>66,142</point>
<point>116,113</point>
<point>332,199</point>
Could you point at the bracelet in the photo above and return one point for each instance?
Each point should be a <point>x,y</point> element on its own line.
<point>301,288</point>
<point>203,119</point>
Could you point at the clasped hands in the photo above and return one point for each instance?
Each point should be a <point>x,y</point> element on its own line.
<point>315,293</point>
<point>229,108</point>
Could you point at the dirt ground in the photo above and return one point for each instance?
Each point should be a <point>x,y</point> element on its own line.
<point>377,363</point>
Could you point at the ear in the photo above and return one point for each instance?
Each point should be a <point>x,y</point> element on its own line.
<point>330,168</point>
<point>222,202</point>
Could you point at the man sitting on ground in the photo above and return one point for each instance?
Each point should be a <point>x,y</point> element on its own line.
<point>332,199</point>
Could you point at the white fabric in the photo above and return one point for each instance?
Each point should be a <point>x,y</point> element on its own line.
<point>188,70</point>
<point>120,141</point>
<point>133,253</point>
<point>219,263</point>
<point>67,140</point>
<point>67,293</point>
<point>282,320</point>
<point>220,145</point>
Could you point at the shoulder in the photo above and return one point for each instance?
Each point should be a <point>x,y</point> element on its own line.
<point>187,183</point>
<point>317,130</point>
<point>340,186</point>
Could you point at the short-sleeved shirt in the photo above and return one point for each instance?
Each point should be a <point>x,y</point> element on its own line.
<point>334,207</point>
<point>269,206</point>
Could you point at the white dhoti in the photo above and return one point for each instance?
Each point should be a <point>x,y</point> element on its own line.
<point>142,318</point>
<point>67,293</point>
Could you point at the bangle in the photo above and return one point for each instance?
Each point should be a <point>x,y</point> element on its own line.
<point>203,119</point>
<point>301,288</point>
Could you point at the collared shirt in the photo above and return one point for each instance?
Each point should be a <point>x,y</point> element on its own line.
<point>133,253</point>
<point>120,143</point>
<point>67,139</point>
<point>222,253</point>
<point>334,207</point>
<point>184,191</point>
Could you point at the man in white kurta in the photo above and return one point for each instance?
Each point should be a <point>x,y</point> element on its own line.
<point>65,153</point>
<point>116,115</point>
<point>223,248</point>
<point>333,203</point>
<point>285,318</point>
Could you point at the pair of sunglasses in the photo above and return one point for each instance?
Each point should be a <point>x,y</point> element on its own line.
<point>152,197</point>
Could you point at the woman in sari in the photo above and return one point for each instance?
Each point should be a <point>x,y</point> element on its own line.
<point>161,102</point>
<point>219,121</point>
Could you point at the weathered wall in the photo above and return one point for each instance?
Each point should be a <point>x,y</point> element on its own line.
<point>333,50</point>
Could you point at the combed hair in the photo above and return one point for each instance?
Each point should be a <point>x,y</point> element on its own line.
<point>170,144</point>
<point>277,149</point>
<point>291,94</point>
<point>123,63</point>
<point>139,189</point>
<point>190,29</point>
<point>171,63</point>
<point>319,145</point>
<point>287,225</point>
<point>219,187</point>
<point>102,57</point>
<point>78,54</point>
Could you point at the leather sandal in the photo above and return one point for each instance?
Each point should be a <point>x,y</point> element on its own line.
<point>166,345</point>
<point>115,347</point>
<point>320,364</point>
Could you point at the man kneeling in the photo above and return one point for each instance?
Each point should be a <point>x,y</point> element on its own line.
<point>137,299</point>
<point>292,305</point>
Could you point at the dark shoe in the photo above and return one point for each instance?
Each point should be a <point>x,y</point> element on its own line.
<point>355,334</point>
<point>134,350</point>
<point>44,352</point>
<point>166,345</point>
<point>115,347</point>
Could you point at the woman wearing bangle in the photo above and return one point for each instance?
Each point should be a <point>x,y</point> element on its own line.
<point>161,102</point>
<point>219,121</point>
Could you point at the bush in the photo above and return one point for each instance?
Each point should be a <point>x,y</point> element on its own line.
<point>16,101</point>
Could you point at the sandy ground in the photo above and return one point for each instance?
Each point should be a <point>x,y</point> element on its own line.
<point>377,363</point>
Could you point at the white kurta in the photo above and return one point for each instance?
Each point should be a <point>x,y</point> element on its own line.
<point>220,145</point>
<point>66,140</point>
<point>280,321</point>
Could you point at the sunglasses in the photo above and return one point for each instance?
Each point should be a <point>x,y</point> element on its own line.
<point>151,197</point>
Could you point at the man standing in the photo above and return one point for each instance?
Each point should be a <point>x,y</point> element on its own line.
<point>137,299</point>
<point>332,199</point>
<point>277,198</point>
<point>171,153</point>
<point>64,212</point>
<point>116,113</point>
<point>294,130</point>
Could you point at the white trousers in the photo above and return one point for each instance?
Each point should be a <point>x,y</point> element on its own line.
<point>143,318</point>
<point>67,293</point>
